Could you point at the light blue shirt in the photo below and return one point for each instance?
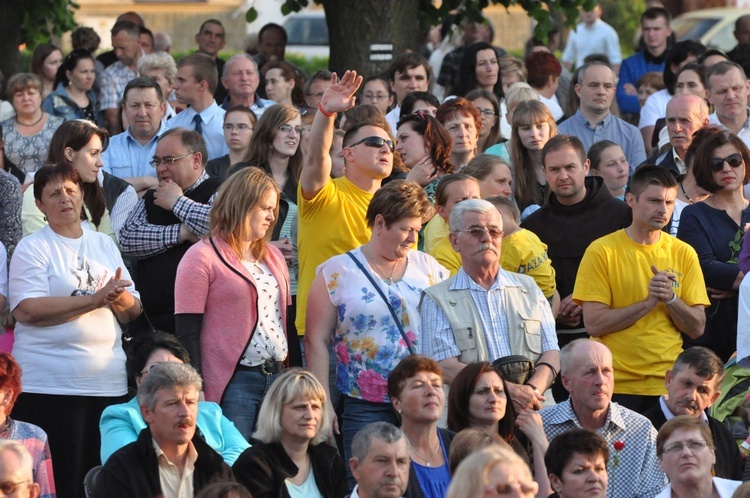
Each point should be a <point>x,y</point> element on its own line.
<point>212,125</point>
<point>126,157</point>
<point>634,470</point>
<point>610,128</point>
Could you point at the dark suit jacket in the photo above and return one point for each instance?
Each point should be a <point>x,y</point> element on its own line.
<point>665,160</point>
<point>133,471</point>
<point>728,457</point>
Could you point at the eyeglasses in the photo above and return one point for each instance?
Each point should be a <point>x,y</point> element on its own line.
<point>376,97</point>
<point>693,446</point>
<point>487,112</point>
<point>376,142</point>
<point>733,160</point>
<point>285,128</point>
<point>8,488</point>
<point>477,232</point>
<point>167,161</point>
<point>238,127</point>
<point>506,489</point>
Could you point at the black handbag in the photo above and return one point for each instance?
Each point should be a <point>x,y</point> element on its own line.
<point>514,368</point>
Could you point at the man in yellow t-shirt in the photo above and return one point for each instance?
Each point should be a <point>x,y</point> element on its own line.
<point>451,190</point>
<point>639,288</point>
<point>332,212</point>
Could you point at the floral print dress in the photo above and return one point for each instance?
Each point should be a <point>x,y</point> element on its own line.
<point>367,343</point>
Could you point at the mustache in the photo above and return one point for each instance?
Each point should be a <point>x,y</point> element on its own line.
<point>485,247</point>
<point>186,421</point>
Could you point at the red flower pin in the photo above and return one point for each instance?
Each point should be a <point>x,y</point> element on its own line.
<point>619,445</point>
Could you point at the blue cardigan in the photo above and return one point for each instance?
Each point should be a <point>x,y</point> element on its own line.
<point>121,424</point>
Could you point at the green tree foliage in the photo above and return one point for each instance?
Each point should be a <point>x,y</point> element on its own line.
<point>625,17</point>
<point>42,18</point>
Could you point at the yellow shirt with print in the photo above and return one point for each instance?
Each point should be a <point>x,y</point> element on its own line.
<point>442,250</point>
<point>330,224</point>
<point>523,252</point>
<point>616,271</point>
<point>435,230</point>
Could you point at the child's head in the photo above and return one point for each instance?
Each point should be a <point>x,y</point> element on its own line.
<point>649,84</point>
<point>508,212</point>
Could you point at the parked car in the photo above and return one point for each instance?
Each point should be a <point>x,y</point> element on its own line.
<point>307,34</point>
<point>712,27</point>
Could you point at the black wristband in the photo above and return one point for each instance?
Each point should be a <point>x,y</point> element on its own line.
<point>554,372</point>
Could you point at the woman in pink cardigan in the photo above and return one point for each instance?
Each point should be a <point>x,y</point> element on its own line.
<point>231,296</point>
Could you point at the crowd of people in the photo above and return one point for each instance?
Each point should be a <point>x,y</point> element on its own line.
<point>473,275</point>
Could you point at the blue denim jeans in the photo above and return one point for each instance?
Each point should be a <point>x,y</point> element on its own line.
<point>243,397</point>
<point>359,413</point>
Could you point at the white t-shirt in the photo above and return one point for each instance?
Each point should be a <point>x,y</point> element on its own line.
<point>553,105</point>
<point>83,357</point>
<point>654,109</point>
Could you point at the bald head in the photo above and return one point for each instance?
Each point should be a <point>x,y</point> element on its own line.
<point>686,114</point>
<point>131,16</point>
<point>16,466</point>
<point>580,350</point>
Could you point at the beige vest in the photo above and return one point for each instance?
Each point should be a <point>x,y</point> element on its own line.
<point>524,319</point>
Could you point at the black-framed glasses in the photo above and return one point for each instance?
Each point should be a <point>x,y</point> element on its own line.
<point>167,161</point>
<point>8,488</point>
<point>285,128</point>
<point>733,160</point>
<point>376,142</point>
<point>477,232</point>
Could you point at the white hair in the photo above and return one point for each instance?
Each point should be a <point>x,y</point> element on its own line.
<point>469,206</point>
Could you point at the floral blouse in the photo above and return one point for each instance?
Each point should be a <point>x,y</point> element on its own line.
<point>367,343</point>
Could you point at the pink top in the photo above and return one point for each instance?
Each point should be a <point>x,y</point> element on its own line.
<point>228,303</point>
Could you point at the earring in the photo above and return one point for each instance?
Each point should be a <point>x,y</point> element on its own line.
<point>45,218</point>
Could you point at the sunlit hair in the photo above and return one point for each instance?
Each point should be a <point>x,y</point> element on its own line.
<point>684,423</point>
<point>20,82</point>
<point>570,443</point>
<point>519,92</point>
<point>459,413</point>
<point>261,146</point>
<point>238,197</point>
<point>76,134</point>
<point>710,141</point>
<point>469,441</point>
<point>203,68</point>
<point>459,211</point>
<point>10,379</point>
<point>704,362</point>
<point>436,138</point>
<point>396,200</point>
<point>159,60</point>
<point>289,74</point>
<point>459,106</point>
<point>407,368</point>
<point>22,453</point>
<point>540,66</point>
<point>512,65</point>
<point>494,135</point>
<point>530,113</point>
<point>293,384</point>
<point>473,474</point>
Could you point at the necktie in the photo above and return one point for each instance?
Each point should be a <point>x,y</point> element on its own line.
<point>198,123</point>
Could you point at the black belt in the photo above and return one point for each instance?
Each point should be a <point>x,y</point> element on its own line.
<point>268,367</point>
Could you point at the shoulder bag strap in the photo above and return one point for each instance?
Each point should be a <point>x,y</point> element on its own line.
<point>387,303</point>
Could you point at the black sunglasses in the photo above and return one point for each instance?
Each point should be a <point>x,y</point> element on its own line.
<point>734,160</point>
<point>376,142</point>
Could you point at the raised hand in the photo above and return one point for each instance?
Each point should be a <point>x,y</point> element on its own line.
<point>339,96</point>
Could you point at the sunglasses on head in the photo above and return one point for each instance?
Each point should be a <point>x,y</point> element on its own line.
<point>733,160</point>
<point>376,142</point>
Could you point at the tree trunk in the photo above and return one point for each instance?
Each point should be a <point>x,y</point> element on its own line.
<point>365,35</point>
<point>11,14</point>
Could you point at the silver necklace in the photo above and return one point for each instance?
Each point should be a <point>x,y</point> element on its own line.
<point>425,460</point>
<point>388,280</point>
<point>79,259</point>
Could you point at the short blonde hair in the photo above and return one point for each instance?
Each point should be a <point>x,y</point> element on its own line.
<point>23,81</point>
<point>238,196</point>
<point>159,60</point>
<point>472,475</point>
<point>293,383</point>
